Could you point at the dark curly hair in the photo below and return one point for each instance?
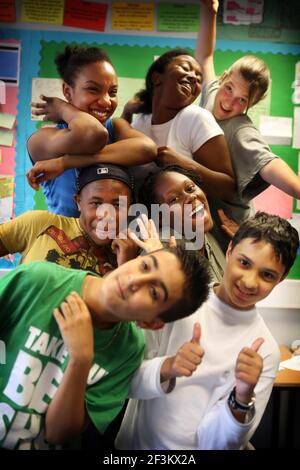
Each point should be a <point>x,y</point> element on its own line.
<point>274,230</point>
<point>195,267</point>
<point>70,62</point>
<point>147,192</point>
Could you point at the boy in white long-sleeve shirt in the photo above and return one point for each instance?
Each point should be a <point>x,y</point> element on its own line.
<point>210,392</point>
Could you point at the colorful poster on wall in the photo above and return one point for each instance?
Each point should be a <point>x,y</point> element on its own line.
<point>243,12</point>
<point>10,55</point>
<point>45,86</point>
<point>42,11</point>
<point>177,17</point>
<point>87,15</point>
<point>132,16</point>
<point>7,11</point>
<point>6,197</point>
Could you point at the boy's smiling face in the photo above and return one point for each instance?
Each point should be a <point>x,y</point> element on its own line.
<point>144,287</point>
<point>252,271</point>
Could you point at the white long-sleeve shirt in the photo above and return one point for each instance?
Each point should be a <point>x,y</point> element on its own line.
<point>195,414</point>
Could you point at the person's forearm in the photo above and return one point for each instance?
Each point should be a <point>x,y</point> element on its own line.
<point>206,39</point>
<point>215,184</point>
<point>86,132</point>
<point>127,152</point>
<point>278,173</point>
<point>128,112</point>
<point>66,416</point>
<point>166,369</point>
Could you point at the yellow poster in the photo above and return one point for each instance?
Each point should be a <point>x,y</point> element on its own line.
<point>136,16</point>
<point>42,11</point>
<point>6,186</point>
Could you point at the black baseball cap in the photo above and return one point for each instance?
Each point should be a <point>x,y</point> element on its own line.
<point>103,171</point>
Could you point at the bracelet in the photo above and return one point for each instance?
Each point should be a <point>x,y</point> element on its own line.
<point>237,405</point>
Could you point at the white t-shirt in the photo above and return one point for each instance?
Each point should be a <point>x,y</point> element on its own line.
<point>195,414</point>
<point>185,133</point>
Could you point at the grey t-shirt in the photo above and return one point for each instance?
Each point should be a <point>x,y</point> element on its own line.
<point>249,154</point>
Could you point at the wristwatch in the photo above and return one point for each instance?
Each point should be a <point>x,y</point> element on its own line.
<point>237,405</point>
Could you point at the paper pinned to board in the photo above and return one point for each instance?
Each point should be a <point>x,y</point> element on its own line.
<point>42,11</point>
<point>276,130</point>
<point>243,12</point>
<point>6,137</point>
<point>132,16</point>
<point>126,91</point>
<point>296,85</point>
<point>296,133</point>
<point>293,363</point>
<point>47,87</point>
<point>7,120</point>
<point>6,197</point>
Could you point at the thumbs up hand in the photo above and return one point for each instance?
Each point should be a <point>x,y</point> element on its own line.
<point>186,360</point>
<point>248,368</point>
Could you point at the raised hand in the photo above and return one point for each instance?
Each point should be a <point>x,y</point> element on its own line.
<point>229,226</point>
<point>132,106</point>
<point>51,108</point>
<point>248,368</point>
<point>75,324</point>
<point>149,234</point>
<point>212,5</point>
<point>186,360</point>
<point>44,170</point>
<point>125,249</point>
<point>168,156</point>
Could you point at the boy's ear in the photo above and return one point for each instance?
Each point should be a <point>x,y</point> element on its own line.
<point>229,250</point>
<point>223,76</point>
<point>156,324</point>
<point>67,91</point>
<point>77,200</point>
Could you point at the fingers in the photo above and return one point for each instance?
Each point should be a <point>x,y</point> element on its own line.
<point>152,229</point>
<point>172,242</point>
<point>221,215</point>
<point>77,304</point>
<point>72,306</point>
<point>257,344</point>
<point>38,112</point>
<point>136,240</point>
<point>144,226</point>
<point>32,182</point>
<point>196,333</point>
<point>115,246</point>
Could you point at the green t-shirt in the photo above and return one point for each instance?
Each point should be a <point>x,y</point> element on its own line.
<point>36,356</point>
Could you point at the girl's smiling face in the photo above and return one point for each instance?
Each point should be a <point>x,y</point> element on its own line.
<point>95,90</point>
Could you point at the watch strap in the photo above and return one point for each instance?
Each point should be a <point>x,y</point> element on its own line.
<point>237,405</point>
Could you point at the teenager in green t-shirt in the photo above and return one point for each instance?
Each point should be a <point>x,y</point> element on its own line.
<point>59,371</point>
